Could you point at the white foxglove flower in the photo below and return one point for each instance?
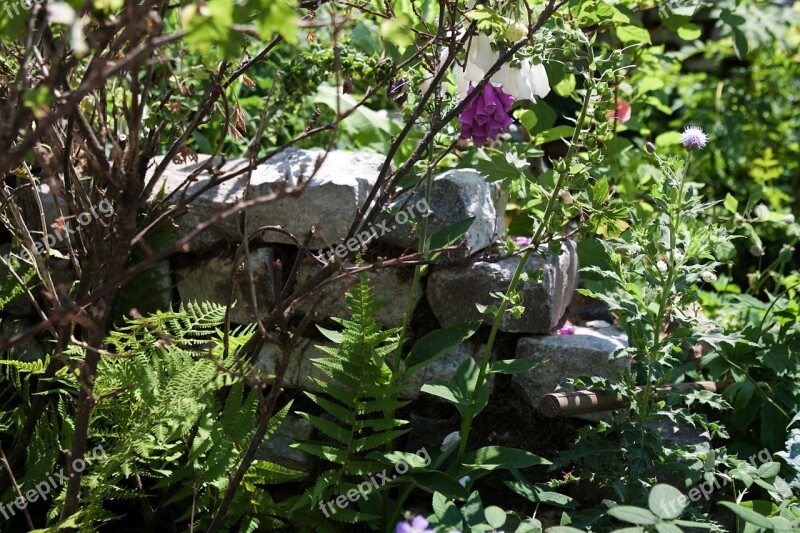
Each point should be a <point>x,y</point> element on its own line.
<point>677,256</point>
<point>788,219</point>
<point>60,13</point>
<point>523,83</point>
<point>661,266</point>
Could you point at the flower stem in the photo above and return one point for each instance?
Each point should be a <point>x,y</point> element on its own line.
<point>466,423</point>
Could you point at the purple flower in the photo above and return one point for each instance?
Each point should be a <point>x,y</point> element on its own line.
<point>693,138</point>
<point>522,241</point>
<point>567,330</point>
<point>417,525</point>
<point>486,116</point>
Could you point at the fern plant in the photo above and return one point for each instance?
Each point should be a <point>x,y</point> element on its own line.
<point>359,396</point>
<point>174,418</point>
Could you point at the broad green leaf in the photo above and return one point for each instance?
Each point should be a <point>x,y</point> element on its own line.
<point>749,515</point>
<point>449,234</point>
<point>666,501</point>
<point>495,516</point>
<point>494,457</point>
<point>434,344</point>
<point>633,34</point>
<point>634,515</point>
<point>439,482</point>
<point>731,203</point>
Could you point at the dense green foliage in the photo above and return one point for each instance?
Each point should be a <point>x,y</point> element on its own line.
<point>691,248</point>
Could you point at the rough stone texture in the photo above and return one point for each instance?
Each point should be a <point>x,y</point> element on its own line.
<point>28,350</point>
<point>455,195</point>
<point>453,292</point>
<point>679,435</point>
<point>210,281</point>
<point>300,366</point>
<point>278,447</point>
<point>444,368</point>
<point>391,285</point>
<point>568,356</point>
<point>329,201</point>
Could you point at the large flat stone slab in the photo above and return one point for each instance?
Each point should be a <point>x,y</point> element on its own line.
<point>210,280</point>
<point>585,353</point>
<point>331,195</point>
<point>453,292</point>
<point>455,195</point>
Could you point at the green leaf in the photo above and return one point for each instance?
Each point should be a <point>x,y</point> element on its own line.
<point>665,527</point>
<point>494,457</point>
<point>739,43</point>
<point>498,168</point>
<point>689,32</point>
<point>633,34</point>
<point>731,203</point>
<point>434,481</point>
<point>634,515</point>
<point>449,234</point>
<point>514,366</point>
<point>444,391</point>
<point>665,501</point>
<point>748,515</point>
<point>566,86</point>
<point>434,344</point>
<point>495,516</point>
<point>669,138</point>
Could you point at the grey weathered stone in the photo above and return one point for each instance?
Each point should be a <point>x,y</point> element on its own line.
<point>585,353</point>
<point>300,366</point>
<point>455,195</point>
<point>278,447</point>
<point>444,368</point>
<point>453,291</point>
<point>679,435</point>
<point>390,285</point>
<point>328,201</point>
<point>210,280</point>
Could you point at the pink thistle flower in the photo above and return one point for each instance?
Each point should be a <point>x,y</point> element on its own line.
<point>486,116</point>
<point>693,138</point>
<point>567,330</point>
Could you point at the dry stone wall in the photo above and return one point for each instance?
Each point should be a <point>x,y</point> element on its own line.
<point>328,202</point>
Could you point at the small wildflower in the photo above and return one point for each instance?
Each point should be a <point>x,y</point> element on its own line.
<point>567,330</point>
<point>417,525</point>
<point>677,256</point>
<point>622,112</point>
<point>522,241</point>
<point>757,250</point>
<point>451,438</point>
<point>708,276</point>
<point>487,115</point>
<point>661,266</point>
<point>693,138</point>
<point>788,219</point>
